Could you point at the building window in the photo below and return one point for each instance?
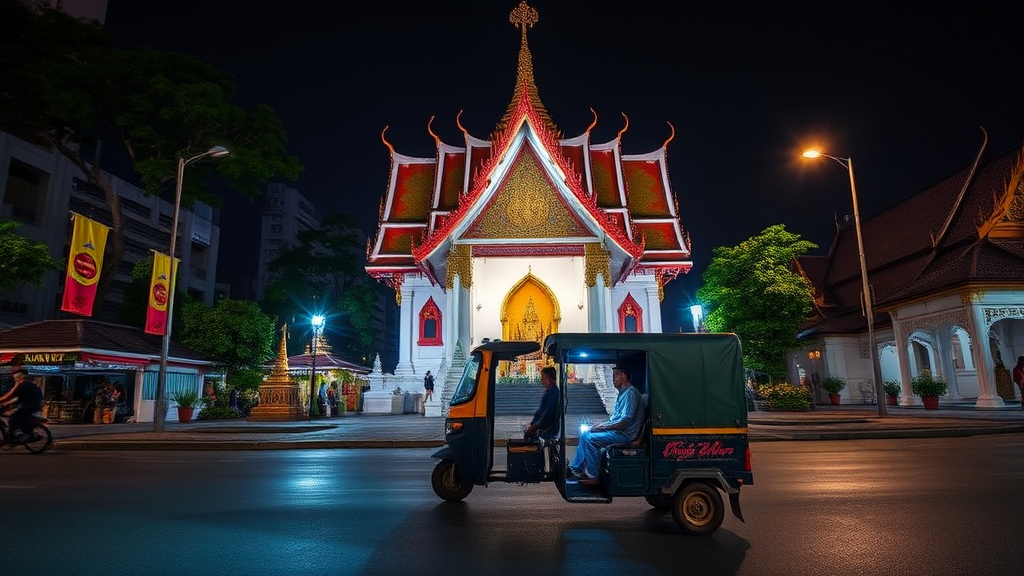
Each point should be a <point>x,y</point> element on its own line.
<point>26,188</point>
<point>430,324</point>
<point>631,316</point>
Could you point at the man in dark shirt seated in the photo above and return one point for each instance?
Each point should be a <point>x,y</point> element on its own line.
<point>545,423</point>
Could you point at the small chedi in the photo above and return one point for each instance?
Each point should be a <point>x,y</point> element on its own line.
<point>279,394</point>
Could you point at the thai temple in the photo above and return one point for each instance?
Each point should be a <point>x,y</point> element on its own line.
<point>521,235</point>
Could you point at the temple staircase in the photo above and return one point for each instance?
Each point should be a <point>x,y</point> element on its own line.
<point>523,399</point>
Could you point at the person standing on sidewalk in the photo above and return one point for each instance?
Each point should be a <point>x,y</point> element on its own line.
<point>1018,378</point>
<point>428,387</point>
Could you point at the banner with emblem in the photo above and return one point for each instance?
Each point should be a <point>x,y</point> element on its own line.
<point>85,261</point>
<point>159,293</point>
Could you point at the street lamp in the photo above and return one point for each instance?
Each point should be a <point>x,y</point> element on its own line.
<point>697,312</point>
<point>317,322</point>
<point>869,306</point>
<point>160,413</point>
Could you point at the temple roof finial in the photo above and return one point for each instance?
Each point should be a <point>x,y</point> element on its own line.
<point>524,16</point>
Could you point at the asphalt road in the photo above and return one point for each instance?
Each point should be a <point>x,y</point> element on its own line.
<point>904,507</point>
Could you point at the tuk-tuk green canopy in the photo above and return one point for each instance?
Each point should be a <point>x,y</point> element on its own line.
<point>694,380</point>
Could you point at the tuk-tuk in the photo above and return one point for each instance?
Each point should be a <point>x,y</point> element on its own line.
<point>693,446</point>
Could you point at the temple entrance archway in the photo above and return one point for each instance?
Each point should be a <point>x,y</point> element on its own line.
<point>530,311</point>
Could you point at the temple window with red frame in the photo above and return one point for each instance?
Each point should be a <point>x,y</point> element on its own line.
<point>631,316</point>
<point>430,324</point>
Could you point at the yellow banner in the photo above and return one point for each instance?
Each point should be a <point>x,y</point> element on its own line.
<point>85,262</point>
<point>87,244</point>
<point>159,293</point>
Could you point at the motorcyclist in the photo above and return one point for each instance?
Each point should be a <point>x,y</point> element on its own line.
<point>29,398</point>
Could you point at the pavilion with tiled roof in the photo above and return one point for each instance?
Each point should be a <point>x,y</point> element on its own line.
<point>56,352</point>
<point>947,269</point>
<point>524,233</point>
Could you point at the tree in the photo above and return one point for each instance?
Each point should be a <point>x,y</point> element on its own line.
<point>23,260</point>
<point>751,290</point>
<point>235,334</point>
<point>66,86</point>
<point>327,266</point>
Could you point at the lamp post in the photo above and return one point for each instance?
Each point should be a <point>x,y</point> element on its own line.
<point>160,411</point>
<point>697,311</point>
<point>869,305</point>
<point>317,322</point>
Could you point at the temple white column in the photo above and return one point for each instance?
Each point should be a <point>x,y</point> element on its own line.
<point>988,396</point>
<point>454,317</point>
<point>408,331</point>
<point>945,352</point>
<point>608,316</point>
<point>601,313</point>
<point>907,398</point>
<point>463,304</point>
<point>653,310</point>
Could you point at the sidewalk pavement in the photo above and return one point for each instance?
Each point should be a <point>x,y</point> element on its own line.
<point>413,430</point>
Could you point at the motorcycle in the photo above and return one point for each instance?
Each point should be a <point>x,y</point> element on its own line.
<point>37,440</point>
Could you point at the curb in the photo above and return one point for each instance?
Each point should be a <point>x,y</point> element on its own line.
<point>231,445</point>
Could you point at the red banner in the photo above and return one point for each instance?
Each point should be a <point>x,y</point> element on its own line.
<point>159,294</point>
<point>85,261</point>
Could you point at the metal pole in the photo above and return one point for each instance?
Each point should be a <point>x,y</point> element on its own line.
<point>160,409</point>
<point>869,307</point>
<point>160,406</point>
<point>312,379</point>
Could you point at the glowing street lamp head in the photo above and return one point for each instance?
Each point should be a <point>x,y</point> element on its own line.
<point>317,321</point>
<point>697,312</point>
<point>218,151</point>
<point>812,153</point>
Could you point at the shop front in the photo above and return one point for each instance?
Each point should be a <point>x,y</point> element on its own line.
<point>95,372</point>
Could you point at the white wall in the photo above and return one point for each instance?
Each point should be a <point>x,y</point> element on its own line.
<point>494,277</point>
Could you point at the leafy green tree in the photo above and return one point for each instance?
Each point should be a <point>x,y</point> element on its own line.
<point>23,261</point>
<point>752,291</point>
<point>327,267</point>
<point>235,334</point>
<point>68,87</point>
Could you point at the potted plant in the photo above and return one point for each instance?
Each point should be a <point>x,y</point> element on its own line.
<point>929,389</point>
<point>833,385</point>
<point>892,391</point>
<point>186,401</point>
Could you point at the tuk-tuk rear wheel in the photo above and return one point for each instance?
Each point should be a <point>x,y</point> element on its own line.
<point>697,509</point>
<point>448,483</point>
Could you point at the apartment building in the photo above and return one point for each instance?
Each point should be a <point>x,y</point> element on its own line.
<point>39,188</point>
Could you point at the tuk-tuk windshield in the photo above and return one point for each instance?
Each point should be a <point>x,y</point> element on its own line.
<point>464,391</point>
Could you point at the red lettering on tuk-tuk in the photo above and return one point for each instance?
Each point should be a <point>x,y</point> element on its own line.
<point>714,449</point>
<point>682,450</point>
<point>678,450</point>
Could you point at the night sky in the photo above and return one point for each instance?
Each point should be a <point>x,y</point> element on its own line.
<point>903,93</point>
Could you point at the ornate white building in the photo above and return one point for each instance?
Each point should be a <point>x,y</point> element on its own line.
<point>521,235</point>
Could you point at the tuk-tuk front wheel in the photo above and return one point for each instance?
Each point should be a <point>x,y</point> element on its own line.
<point>697,509</point>
<point>448,483</point>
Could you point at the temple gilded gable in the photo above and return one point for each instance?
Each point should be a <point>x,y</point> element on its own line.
<point>526,205</point>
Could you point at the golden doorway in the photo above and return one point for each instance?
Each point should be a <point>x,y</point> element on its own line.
<point>529,312</point>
